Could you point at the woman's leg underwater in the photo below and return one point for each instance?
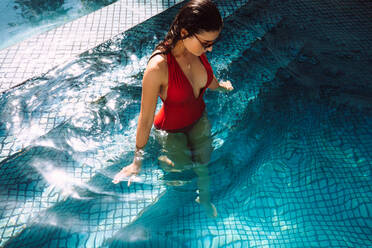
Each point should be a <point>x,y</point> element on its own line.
<point>200,143</point>
<point>176,155</point>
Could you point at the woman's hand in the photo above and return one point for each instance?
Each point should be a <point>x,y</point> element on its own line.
<point>226,85</point>
<point>130,171</point>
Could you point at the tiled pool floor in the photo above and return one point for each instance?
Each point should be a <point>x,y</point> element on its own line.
<point>292,165</point>
<point>41,53</point>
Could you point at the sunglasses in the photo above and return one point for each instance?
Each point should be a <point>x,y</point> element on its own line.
<point>207,45</point>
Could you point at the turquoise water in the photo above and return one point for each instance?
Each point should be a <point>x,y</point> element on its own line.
<point>21,19</point>
<point>291,165</point>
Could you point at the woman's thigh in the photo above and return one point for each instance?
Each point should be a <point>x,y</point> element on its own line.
<point>174,149</point>
<point>200,140</point>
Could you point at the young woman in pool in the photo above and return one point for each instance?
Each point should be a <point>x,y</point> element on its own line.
<point>179,73</point>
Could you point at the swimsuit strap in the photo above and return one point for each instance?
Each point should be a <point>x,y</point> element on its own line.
<point>155,55</point>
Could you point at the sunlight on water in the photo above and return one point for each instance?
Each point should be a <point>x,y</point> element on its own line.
<point>82,144</point>
<point>284,158</point>
<point>58,178</point>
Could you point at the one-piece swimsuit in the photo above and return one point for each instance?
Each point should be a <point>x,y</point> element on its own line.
<point>181,109</point>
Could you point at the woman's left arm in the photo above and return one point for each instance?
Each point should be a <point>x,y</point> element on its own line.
<point>220,86</point>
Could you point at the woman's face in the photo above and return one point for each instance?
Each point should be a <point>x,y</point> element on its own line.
<point>201,42</point>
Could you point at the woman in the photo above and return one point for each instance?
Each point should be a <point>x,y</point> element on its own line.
<point>179,73</point>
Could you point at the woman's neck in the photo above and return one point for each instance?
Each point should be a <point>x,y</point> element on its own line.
<point>179,50</point>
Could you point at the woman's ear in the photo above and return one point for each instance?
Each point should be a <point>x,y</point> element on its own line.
<point>184,33</point>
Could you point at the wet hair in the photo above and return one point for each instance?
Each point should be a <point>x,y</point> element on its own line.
<point>196,16</point>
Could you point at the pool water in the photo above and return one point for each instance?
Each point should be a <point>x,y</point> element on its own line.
<point>291,165</point>
<point>21,19</point>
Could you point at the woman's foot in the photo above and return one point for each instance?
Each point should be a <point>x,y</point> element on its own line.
<point>209,208</point>
<point>166,160</point>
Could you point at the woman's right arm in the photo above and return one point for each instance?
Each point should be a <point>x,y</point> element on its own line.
<point>151,85</point>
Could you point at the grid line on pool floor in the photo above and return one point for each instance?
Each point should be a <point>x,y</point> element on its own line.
<point>41,53</point>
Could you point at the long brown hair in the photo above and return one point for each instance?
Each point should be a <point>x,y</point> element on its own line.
<point>196,16</point>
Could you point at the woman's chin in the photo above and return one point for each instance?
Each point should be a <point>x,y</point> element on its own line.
<point>198,54</point>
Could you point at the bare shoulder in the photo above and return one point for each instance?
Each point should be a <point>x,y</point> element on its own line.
<point>157,68</point>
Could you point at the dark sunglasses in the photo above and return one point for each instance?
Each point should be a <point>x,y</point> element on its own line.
<point>207,45</point>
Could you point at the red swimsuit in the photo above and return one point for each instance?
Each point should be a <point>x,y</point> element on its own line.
<point>181,109</point>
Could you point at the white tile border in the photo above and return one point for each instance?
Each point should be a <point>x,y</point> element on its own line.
<point>41,53</point>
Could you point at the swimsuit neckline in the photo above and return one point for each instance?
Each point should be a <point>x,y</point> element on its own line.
<point>188,81</point>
